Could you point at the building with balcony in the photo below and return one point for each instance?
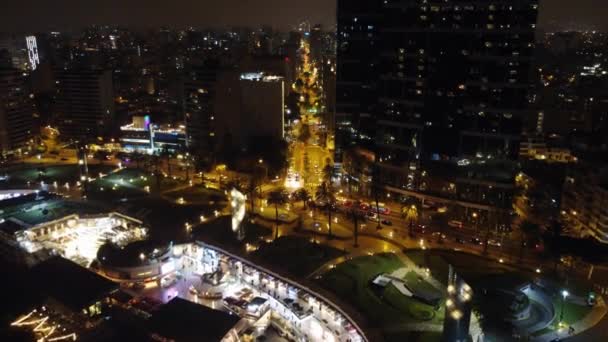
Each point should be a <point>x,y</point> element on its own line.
<point>585,201</point>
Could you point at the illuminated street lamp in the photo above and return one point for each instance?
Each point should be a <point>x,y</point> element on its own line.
<point>565,294</point>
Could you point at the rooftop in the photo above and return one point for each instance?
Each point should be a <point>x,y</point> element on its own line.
<point>72,285</point>
<point>130,255</point>
<point>184,321</point>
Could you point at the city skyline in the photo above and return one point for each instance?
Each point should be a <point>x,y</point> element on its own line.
<point>71,14</point>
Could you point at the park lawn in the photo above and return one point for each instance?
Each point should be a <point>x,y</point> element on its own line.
<point>413,336</point>
<point>351,281</point>
<point>49,174</point>
<point>128,183</point>
<point>418,284</point>
<point>197,194</point>
<point>435,263</point>
<point>296,255</point>
<point>417,310</point>
<point>572,314</point>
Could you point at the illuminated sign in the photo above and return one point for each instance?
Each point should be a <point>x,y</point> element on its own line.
<point>32,51</point>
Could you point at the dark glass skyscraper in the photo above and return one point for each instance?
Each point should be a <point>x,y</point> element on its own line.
<point>426,79</point>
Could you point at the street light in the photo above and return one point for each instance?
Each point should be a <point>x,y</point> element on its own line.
<point>565,294</point>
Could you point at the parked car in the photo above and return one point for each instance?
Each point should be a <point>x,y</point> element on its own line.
<point>494,243</point>
<point>455,223</point>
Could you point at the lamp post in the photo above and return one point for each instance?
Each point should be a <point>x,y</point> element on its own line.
<point>565,294</point>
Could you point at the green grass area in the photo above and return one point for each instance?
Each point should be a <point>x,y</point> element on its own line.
<point>413,336</point>
<point>434,262</point>
<point>572,314</point>
<point>197,194</point>
<point>351,281</point>
<point>129,183</point>
<point>60,173</point>
<point>296,255</point>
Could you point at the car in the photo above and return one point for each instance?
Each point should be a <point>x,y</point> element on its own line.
<point>459,240</point>
<point>64,159</point>
<point>494,243</point>
<point>476,241</point>
<point>420,228</point>
<point>167,281</point>
<point>455,223</point>
<point>211,295</point>
<point>386,222</point>
<point>438,235</point>
<point>193,290</point>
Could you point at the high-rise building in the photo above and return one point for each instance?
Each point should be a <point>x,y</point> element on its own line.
<point>17,112</point>
<point>84,105</point>
<point>585,201</point>
<point>209,92</point>
<point>224,106</point>
<point>449,78</point>
<point>423,85</point>
<point>357,55</point>
<point>262,111</point>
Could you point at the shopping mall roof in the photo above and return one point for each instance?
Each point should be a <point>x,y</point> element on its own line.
<point>130,255</point>
<point>70,284</point>
<point>185,321</point>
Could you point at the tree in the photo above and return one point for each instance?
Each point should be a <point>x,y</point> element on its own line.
<point>302,195</point>
<point>277,197</point>
<point>356,215</point>
<point>554,243</point>
<point>328,173</point>
<point>529,232</point>
<point>167,156</point>
<point>304,133</point>
<point>101,155</point>
<point>137,157</point>
<point>325,194</point>
<point>376,189</point>
<point>411,214</point>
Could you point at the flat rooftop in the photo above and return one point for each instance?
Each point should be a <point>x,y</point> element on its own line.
<point>70,284</point>
<point>184,321</point>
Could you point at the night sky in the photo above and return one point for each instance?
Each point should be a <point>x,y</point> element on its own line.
<point>32,15</point>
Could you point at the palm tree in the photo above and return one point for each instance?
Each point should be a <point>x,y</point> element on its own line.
<point>325,193</point>
<point>555,245</point>
<point>356,215</point>
<point>167,156</point>
<point>277,197</point>
<point>529,231</point>
<point>328,173</point>
<point>411,214</point>
<point>376,188</point>
<point>250,191</point>
<point>302,195</point>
